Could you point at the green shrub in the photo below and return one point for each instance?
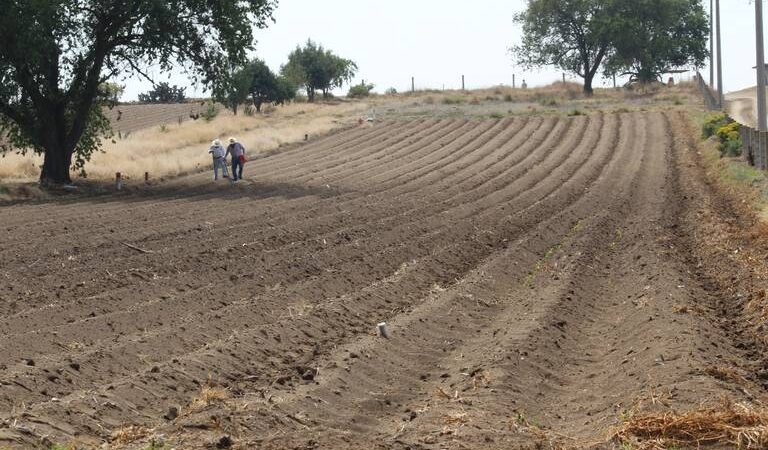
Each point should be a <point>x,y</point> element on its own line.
<point>360,91</point>
<point>508,98</point>
<point>210,112</point>
<point>546,100</point>
<point>576,112</point>
<point>730,139</point>
<point>249,111</point>
<point>453,101</point>
<point>391,91</point>
<point>712,122</point>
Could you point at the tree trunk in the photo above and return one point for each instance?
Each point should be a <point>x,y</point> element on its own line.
<point>57,158</point>
<point>310,94</point>
<point>56,163</point>
<point>588,91</point>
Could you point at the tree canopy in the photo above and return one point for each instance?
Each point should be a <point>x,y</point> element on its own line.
<point>55,55</point>
<point>640,38</point>
<point>654,37</point>
<point>573,35</point>
<point>317,69</point>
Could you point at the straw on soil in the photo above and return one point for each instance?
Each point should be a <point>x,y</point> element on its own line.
<point>129,434</point>
<point>740,425</point>
<point>209,394</point>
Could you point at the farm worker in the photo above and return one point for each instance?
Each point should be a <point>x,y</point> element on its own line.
<point>219,159</point>
<point>237,152</point>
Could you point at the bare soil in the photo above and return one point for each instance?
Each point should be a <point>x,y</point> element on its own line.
<point>542,280</point>
<point>127,118</point>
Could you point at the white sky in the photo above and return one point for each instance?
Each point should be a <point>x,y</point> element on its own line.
<point>437,41</point>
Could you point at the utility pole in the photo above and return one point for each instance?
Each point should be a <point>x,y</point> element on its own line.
<point>761,120</point>
<point>413,85</point>
<point>462,82</point>
<point>513,81</point>
<point>711,46</point>
<point>719,58</point>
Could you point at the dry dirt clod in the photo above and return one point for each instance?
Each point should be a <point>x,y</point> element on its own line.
<point>224,442</point>
<point>172,414</point>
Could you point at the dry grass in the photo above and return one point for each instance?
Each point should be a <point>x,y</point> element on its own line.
<point>737,425</point>
<point>183,148</point>
<point>728,374</point>
<point>129,434</point>
<point>209,394</point>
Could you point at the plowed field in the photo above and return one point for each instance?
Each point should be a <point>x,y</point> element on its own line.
<point>527,268</point>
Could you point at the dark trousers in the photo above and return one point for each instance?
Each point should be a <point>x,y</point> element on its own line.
<point>237,169</point>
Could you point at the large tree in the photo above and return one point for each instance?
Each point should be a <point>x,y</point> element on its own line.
<point>655,37</point>
<point>317,69</point>
<point>56,53</point>
<point>573,35</point>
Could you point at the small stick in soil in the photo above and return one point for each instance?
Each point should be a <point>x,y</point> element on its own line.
<point>138,249</point>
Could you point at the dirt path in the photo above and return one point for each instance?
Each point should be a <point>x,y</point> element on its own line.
<point>529,271</point>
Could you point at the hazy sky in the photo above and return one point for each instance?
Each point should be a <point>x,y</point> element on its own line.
<point>438,41</point>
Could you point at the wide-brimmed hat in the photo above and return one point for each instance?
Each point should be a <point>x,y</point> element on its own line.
<point>232,140</point>
<point>216,142</point>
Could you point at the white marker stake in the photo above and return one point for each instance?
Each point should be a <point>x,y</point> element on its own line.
<point>383,331</point>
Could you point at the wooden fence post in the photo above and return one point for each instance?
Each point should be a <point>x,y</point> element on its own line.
<point>752,146</point>
<point>746,134</point>
<point>762,147</point>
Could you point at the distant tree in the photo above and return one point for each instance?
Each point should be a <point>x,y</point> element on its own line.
<point>653,37</point>
<point>285,91</point>
<point>573,35</point>
<point>263,84</point>
<point>164,93</point>
<point>317,69</point>
<point>234,89</point>
<point>111,92</point>
<point>257,82</point>
<point>55,54</point>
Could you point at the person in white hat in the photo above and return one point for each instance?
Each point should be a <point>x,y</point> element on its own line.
<point>219,154</point>
<point>237,152</point>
